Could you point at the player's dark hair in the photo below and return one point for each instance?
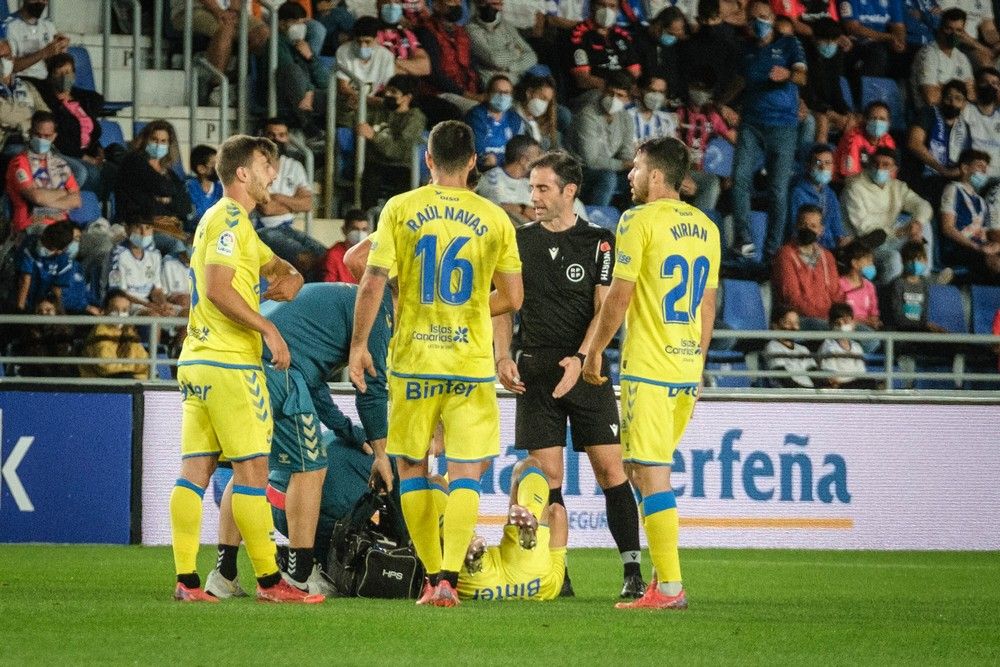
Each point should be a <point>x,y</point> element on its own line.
<point>805,210</point>
<point>780,310</point>
<point>912,250</point>
<point>839,311</point>
<point>970,155</point>
<point>365,26</point>
<point>566,167</point>
<point>451,145</point>
<point>669,156</point>
<point>200,155</point>
<point>238,151</point>
<point>58,235</point>
<point>291,11</point>
<point>518,147</point>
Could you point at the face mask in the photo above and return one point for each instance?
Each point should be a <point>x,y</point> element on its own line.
<point>35,9</point>
<point>6,67</point>
<point>140,241</point>
<point>156,151</point>
<point>64,83</point>
<point>948,112</point>
<point>868,272</point>
<point>391,13</point>
<point>612,105</point>
<point>700,97</point>
<point>653,100</point>
<point>880,176</point>
<point>501,101</point>
<point>605,17</point>
<point>39,145</point>
<point>390,103</point>
<point>45,252</point>
<point>805,236</point>
<point>952,41</point>
<point>356,236</point>
<point>846,326</point>
<point>117,313</point>
<point>827,49</point>
<point>297,32</point>
<point>822,176</point>
<point>72,249</point>
<point>537,106</point>
<point>666,39</point>
<point>365,52</point>
<point>877,128</point>
<point>762,28</point>
<point>978,179</point>
<point>986,94</point>
<point>453,13</point>
<point>916,268</point>
<point>488,14</point>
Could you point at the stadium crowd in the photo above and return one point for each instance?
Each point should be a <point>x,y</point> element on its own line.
<point>865,144</point>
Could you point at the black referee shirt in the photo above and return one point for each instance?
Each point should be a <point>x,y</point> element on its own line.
<point>561,271</point>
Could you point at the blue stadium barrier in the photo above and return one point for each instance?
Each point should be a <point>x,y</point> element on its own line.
<point>758,233</point>
<point>604,216</point>
<point>111,132</point>
<point>742,305</point>
<point>945,308</point>
<point>719,158</point>
<point>84,69</point>
<point>328,62</point>
<point>729,380</point>
<point>885,90</point>
<point>985,304</point>
<point>845,91</point>
<point>89,210</point>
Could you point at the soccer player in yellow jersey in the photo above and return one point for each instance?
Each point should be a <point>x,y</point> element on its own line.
<point>447,245</point>
<point>226,408</point>
<point>665,280</point>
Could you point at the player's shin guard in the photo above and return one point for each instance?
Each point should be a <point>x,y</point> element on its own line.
<point>253,517</point>
<point>459,521</point>
<point>661,522</point>
<point>185,525</point>
<point>533,491</point>
<point>422,520</point>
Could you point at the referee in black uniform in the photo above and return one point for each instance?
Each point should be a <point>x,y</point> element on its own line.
<point>567,266</point>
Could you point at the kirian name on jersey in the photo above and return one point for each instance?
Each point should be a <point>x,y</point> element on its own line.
<point>689,229</point>
<point>517,590</point>
<point>433,212</point>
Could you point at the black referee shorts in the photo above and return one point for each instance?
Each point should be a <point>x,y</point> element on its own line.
<point>541,420</point>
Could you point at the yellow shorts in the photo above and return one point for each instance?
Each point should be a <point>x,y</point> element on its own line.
<point>512,572</point>
<point>653,420</point>
<point>226,410</point>
<point>468,410</point>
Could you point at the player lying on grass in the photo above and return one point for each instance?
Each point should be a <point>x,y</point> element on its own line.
<point>317,328</point>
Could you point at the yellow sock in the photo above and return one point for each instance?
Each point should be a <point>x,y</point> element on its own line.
<point>422,517</point>
<point>459,521</point>
<point>185,525</point>
<point>253,517</point>
<point>533,491</point>
<point>661,523</point>
<point>440,495</point>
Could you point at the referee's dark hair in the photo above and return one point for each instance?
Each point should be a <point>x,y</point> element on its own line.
<point>669,156</point>
<point>517,147</point>
<point>452,146</point>
<point>566,167</point>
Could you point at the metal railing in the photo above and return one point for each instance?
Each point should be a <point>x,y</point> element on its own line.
<point>105,48</point>
<point>310,165</point>
<point>242,69</point>
<point>193,99</point>
<point>136,38</point>
<point>157,34</point>
<point>890,342</point>
<point>360,143</point>
<point>330,151</point>
<point>188,44</point>
<point>272,57</point>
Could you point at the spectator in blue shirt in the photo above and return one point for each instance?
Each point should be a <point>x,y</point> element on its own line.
<point>77,296</point>
<point>494,122</point>
<point>203,184</point>
<point>43,264</point>
<point>879,36</point>
<point>774,67</point>
<point>921,19</point>
<point>813,187</point>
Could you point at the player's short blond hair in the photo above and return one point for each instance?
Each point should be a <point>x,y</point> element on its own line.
<point>238,151</point>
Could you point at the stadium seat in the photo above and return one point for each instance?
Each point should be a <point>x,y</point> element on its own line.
<point>719,157</point>
<point>111,132</point>
<point>84,70</point>
<point>604,216</point>
<point>734,361</point>
<point>742,306</point>
<point>845,90</point>
<point>163,370</point>
<point>758,232</point>
<point>884,90</point>
<point>945,308</point>
<point>985,304</point>
<point>89,210</point>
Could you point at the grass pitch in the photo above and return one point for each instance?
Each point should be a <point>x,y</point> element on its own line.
<point>112,604</point>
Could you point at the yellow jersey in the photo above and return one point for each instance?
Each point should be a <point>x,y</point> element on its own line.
<point>224,236</point>
<point>445,244</point>
<point>512,572</point>
<point>671,251</point>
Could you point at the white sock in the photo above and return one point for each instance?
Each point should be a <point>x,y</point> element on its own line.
<point>670,588</point>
